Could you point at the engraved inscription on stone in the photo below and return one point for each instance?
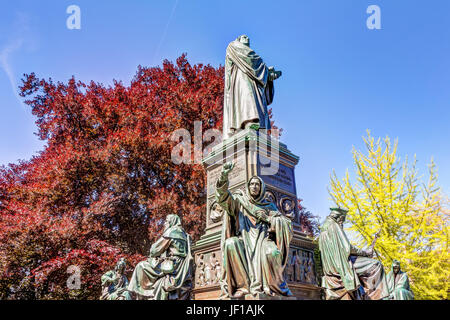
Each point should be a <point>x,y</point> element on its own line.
<point>236,175</point>
<point>284,179</point>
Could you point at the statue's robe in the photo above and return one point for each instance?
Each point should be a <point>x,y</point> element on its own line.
<point>310,275</point>
<point>151,280</point>
<point>248,89</point>
<point>254,252</point>
<point>398,285</point>
<point>113,288</point>
<point>345,269</point>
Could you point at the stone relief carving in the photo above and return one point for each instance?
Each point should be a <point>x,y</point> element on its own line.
<point>208,269</point>
<point>300,267</point>
<point>284,203</point>
<point>216,212</point>
<point>214,261</point>
<point>270,196</point>
<point>200,271</point>
<point>310,276</point>
<point>289,271</point>
<point>287,206</point>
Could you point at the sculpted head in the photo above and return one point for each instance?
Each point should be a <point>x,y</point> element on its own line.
<point>244,39</point>
<point>396,266</point>
<point>339,215</point>
<point>172,220</point>
<point>254,186</point>
<point>121,265</point>
<point>288,205</point>
<point>216,207</point>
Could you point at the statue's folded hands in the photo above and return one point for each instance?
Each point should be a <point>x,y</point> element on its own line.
<point>262,215</point>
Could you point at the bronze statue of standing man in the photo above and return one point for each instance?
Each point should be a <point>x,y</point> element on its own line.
<point>248,88</point>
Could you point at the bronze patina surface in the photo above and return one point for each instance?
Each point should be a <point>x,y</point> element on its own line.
<point>348,269</point>
<point>249,88</point>
<point>167,273</point>
<point>115,283</point>
<point>255,241</point>
<point>398,283</point>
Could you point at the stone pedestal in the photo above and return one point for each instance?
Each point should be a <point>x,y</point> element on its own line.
<point>253,153</point>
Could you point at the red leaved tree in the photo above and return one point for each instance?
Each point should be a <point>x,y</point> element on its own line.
<point>309,223</point>
<point>105,180</point>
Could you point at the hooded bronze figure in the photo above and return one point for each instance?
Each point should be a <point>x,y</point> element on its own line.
<point>255,241</point>
<point>167,273</point>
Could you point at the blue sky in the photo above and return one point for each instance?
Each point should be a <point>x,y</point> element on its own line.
<point>339,77</point>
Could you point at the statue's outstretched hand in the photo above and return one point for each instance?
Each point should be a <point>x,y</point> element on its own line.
<point>274,74</point>
<point>227,167</point>
<point>371,252</point>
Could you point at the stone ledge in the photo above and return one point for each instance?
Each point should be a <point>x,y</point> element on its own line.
<point>262,296</point>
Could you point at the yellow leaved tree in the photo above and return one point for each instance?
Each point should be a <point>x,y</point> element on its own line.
<point>387,194</point>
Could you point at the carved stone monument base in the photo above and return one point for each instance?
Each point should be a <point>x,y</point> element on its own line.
<point>262,296</point>
<point>253,153</point>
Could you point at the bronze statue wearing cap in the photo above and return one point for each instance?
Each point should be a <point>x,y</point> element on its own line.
<point>349,272</point>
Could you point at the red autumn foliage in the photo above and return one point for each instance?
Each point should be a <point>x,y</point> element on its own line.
<point>309,223</point>
<point>105,180</point>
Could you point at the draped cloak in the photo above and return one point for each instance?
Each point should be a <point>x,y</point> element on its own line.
<point>248,89</point>
<point>150,280</point>
<point>345,270</point>
<point>254,252</point>
<point>114,286</point>
<point>398,285</point>
<point>335,253</point>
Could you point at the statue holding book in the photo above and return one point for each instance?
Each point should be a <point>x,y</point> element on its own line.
<point>115,283</point>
